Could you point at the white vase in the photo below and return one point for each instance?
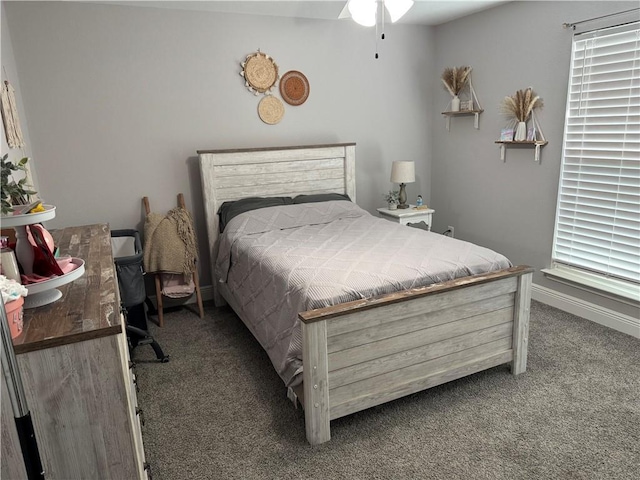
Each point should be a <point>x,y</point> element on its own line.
<point>521,132</point>
<point>455,104</point>
<point>393,206</point>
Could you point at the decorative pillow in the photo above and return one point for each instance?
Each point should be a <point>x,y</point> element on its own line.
<point>228,210</point>
<point>321,197</point>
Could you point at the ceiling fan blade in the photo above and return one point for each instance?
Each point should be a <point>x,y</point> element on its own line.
<point>345,11</point>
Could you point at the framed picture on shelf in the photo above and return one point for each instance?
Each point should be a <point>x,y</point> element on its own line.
<point>531,134</point>
<point>466,105</point>
<point>506,135</point>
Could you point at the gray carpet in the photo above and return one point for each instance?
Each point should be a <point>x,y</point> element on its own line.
<point>219,410</point>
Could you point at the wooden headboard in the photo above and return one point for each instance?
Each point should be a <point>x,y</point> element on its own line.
<point>272,172</point>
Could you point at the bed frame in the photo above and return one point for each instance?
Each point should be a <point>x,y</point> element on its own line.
<point>363,353</point>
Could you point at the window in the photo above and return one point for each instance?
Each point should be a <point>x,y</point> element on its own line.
<point>597,230</point>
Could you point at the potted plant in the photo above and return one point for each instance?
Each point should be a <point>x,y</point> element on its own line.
<point>392,198</point>
<point>519,107</point>
<point>14,193</point>
<point>454,80</point>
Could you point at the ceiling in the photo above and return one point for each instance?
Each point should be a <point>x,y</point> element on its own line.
<point>423,12</point>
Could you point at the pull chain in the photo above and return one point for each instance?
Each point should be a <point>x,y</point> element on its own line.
<point>383,15</point>
<point>379,11</point>
<point>376,36</point>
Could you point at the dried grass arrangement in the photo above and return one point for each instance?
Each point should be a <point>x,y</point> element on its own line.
<point>520,105</point>
<point>455,79</point>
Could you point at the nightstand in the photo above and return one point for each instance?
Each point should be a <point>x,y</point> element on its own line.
<point>404,216</point>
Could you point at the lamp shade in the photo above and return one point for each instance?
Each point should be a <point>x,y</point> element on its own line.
<point>403,172</point>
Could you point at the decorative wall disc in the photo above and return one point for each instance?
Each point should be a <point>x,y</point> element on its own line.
<point>260,72</point>
<point>270,110</point>
<point>294,88</point>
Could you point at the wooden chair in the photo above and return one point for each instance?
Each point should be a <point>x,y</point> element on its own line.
<point>158,284</point>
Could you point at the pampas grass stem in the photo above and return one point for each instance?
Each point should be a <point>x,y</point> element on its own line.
<point>454,79</point>
<point>520,105</point>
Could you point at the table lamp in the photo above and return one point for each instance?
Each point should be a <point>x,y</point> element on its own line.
<point>403,173</point>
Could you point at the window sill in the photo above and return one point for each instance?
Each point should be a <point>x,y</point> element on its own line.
<point>620,290</point>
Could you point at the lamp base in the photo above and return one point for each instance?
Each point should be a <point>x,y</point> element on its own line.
<point>402,197</point>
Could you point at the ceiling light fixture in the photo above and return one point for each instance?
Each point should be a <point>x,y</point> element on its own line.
<point>365,12</point>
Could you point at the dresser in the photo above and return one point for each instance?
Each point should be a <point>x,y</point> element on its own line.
<point>77,376</point>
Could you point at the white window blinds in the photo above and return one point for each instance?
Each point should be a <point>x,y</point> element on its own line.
<point>598,212</point>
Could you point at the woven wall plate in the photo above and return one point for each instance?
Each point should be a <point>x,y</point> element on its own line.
<point>294,88</point>
<point>260,72</point>
<point>270,110</point>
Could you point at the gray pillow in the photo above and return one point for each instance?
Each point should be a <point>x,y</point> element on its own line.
<point>321,197</point>
<point>228,210</point>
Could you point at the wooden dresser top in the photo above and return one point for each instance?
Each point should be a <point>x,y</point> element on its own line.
<point>89,307</point>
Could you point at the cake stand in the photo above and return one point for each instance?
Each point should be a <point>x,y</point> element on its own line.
<point>46,292</point>
<point>41,293</point>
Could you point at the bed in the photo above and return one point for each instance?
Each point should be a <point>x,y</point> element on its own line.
<point>341,356</point>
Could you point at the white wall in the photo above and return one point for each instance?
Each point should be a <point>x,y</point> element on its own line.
<point>10,73</point>
<point>508,206</point>
<point>119,99</point>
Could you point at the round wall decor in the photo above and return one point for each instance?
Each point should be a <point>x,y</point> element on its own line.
<point>270,110</point>
<point>294,88</point>
<point>260,72</point>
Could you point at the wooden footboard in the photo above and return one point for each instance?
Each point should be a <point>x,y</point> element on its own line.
<point>363,353</point>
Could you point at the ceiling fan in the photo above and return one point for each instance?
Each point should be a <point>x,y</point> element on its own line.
<point>365,12</point>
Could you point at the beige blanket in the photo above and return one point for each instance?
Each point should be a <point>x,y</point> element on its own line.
<point>170,243</point>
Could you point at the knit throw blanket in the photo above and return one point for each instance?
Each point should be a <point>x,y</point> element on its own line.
<point>170,243</point>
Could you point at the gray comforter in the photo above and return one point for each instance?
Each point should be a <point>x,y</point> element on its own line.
<point>279,261</point>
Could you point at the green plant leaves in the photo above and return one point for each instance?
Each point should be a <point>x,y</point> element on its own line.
<point>12,191</point>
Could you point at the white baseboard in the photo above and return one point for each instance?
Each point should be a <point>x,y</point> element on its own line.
<point>590,311</point>
<point>207,293</point>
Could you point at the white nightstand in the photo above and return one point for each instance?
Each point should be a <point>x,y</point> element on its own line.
<point>404,216</point>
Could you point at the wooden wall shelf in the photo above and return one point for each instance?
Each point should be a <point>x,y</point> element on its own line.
<point>471,102</point>
<point>523,142</point>
<point>536,144</point>
<point>534,131</point>
<point>462,113</point>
